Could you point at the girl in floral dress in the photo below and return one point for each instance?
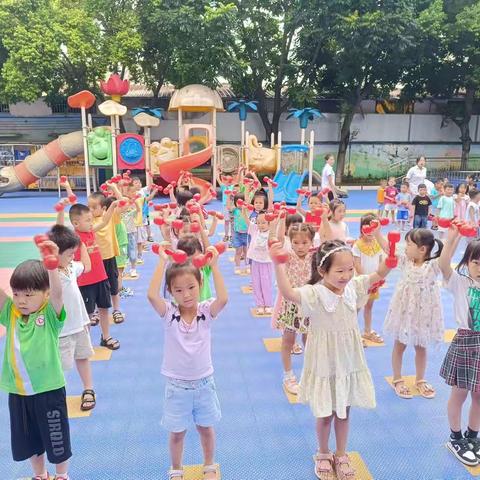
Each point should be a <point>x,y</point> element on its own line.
<point>415,314</point>
<point>288,319</point>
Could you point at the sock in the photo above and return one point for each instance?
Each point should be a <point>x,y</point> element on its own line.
<point>456,435</point>
<point>471,433</point>
<point>288,374</point>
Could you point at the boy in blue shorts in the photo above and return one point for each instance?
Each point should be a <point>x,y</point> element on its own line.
<point>403,200</point>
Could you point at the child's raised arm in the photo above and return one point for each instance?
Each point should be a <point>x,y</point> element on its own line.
<point>278,229</point>
<point>445,259</point>
<point>382,241</point>
<point>60,220</point>
<point>283,283</point>
<point>56,295</point>
<point>300,208</point>
<point>221,295</point>
<point>106,217</point>
<point>153,294</point>
<point>270,196</point>
<point>380,274</point>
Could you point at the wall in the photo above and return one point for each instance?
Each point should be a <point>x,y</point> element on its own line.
<point>379,141</point>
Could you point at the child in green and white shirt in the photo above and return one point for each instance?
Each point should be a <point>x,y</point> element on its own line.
<point>32,371</point>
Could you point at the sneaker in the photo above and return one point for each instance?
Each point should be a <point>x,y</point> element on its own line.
<point>462,450</point>
<point>150,239</point>
<point>291,386</point>
<point>474,444</point>
<point>133,273</point>
<point>140,261</point>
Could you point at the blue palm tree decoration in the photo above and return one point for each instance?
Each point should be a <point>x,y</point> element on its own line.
<point>242,107</point>
<point>304,115</point>
<point>153,112</point>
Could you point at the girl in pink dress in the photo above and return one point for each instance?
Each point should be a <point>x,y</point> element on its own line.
<point>461,202</point>
<point>338,226</point>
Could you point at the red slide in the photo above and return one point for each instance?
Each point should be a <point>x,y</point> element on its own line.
<point>170,170</point>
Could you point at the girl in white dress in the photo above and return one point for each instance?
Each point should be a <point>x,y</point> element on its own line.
<point>335,374</point>
<point>415,315</point>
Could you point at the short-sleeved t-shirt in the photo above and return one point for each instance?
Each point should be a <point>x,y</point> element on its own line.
<point>421,205</point>
<point>434,196</point>
<point>446,205</point>
<point>206,289</point>
<point>128,218</point>
<point>380,195</point>
<point>239,223</point>
<point>97,273</point>
<point>327,172</point>
<point>390,192</point>
<point>31,361</point>
<point>187,347</point>
<point>402,197</point>
<point>258,248</point>
<point>139,213</point>
<point>77,316</point>
<point>466,300</point>
<point>473,210</point>
<point>121,233</point>
<point>107,237</point>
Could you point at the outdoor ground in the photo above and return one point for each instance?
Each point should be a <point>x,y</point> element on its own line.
<point>261,436</point>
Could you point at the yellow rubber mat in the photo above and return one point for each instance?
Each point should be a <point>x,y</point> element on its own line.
<point>73,406</point>
<point>102,354</point>
<point>448,335</point>
<point>195,472</point>
<point>273,345</point>
<point>291,398</point>
<point>369,343</point>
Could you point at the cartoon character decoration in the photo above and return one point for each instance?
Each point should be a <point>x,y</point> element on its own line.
<point>260,158</point>
<point>166,149</point>
<point>100,147</point>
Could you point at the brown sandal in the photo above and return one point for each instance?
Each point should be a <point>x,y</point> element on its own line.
<point>88,401</point>
<point>373,337</point>
<point>425,389</point>
<point>324,466</point>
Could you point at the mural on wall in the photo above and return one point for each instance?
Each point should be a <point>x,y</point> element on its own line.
<point>376,161</point>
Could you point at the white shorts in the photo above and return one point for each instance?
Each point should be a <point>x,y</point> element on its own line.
<point>77,346</point>
<point>390,207</point>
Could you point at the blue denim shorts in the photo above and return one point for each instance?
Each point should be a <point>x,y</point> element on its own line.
<point>240,239</point>
<point>402,215</point>
<point>186,400</point>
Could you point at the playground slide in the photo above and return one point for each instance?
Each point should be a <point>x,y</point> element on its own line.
<point>290,184</point>
<point>170,169</point>
<point>41,162</point>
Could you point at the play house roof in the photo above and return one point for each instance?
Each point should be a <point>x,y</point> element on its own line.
<point>196,98</point>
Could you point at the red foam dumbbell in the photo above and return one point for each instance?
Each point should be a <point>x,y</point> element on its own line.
<point>177,224</point>
<point>59,207</point>
<point>270,216</point>
<point>63,179</point>
<point>220,216</point>
<point>195,227</point>
<point>159,221</point>
<point>72,198</point>
<point>173,205</point>
<point>221,247</point>
<point>384,222</point>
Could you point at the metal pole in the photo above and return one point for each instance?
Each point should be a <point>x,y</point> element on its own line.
<point>114,145</point>
<point>272,140</point>
<point>85,149</point>
<point>242,134</point>
<point>279,152</point>
<point>180,133</point>
<point>302,136</point>
<point>310,160</point>
<point>58,182</point>
<point>148,169</point>
<point>214,144</point>
<point>247,149</point>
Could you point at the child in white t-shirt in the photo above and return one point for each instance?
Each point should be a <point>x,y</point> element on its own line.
<point>473,209</point>
<point>187,363</point>
<point>74,339</point>
<point>462,362</point>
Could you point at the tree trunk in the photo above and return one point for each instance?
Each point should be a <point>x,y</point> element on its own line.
<point>464,126</point>
<point>263,112</point>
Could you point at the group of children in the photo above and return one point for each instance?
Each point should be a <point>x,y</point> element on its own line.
<point>323,277</point>
<point>442,201</point>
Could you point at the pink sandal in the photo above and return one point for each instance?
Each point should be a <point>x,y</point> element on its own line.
<point>343,468</point>
<point>324,466</point>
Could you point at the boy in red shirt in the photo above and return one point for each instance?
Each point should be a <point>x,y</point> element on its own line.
<point>94,285</point>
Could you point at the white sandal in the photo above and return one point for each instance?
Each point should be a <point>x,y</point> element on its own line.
<point>210,469</point>
<point>324,473</point>
<point>175,474</point>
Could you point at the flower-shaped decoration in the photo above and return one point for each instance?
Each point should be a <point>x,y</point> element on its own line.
<point>115,87</point>
<point>304,115</point>
<point>242,107</point>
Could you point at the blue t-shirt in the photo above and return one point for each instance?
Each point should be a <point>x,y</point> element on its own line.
<point>239,223</point>
<point>401,197</point>
<point>434,193</point>
<point>446,205</point>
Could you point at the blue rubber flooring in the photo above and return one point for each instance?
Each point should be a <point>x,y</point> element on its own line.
<point>261,436</point>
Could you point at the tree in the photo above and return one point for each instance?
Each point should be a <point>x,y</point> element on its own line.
<point>48,48</point>
<point>264,64</point>
<point>447,62</point>
<point>354,50</point>
<point>183,41</point>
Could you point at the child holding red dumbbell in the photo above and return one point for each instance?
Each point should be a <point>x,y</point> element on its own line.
<point>415,315</point>
<point>240,231</point>
<point>187,363</point>
<point>338,227</point>
<point>34,318</point>
<point>298,264</point>
<point>461,364</point>
<point>446,207</point>
<point>335,374</point>
<point>368,254</point>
